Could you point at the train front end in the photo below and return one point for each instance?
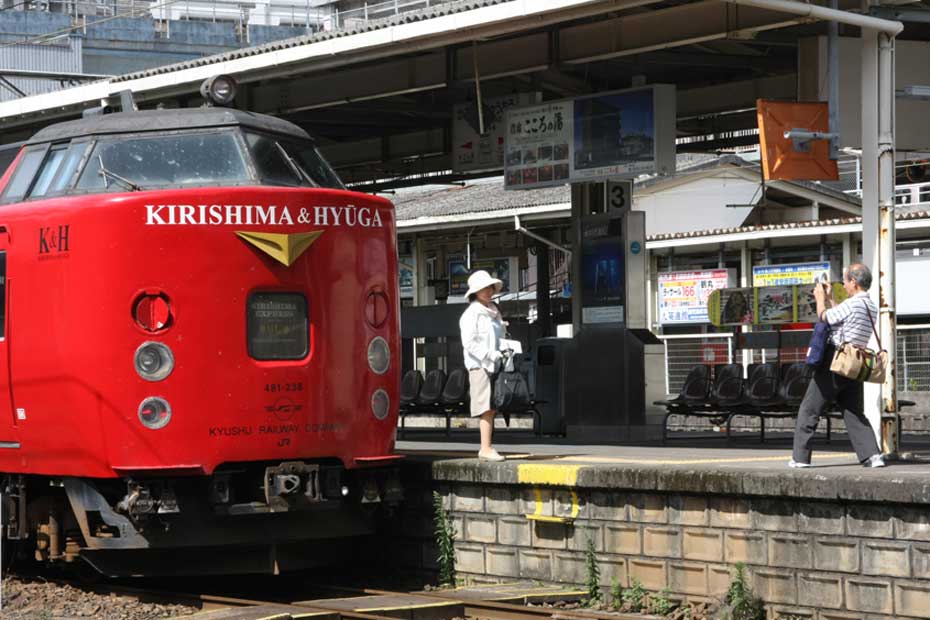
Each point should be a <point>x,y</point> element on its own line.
<point>202,335</point>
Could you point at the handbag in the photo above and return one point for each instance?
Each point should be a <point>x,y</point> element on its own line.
<point>510,392</point>
<point>859,363</point>
<point>820,342</point>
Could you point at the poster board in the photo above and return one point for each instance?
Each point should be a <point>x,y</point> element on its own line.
<point>682,295</point>
<point>791,273</point>
<point>406,275</point>
<point>500,268</point>
<point>766,305</point>
<point>617,134</point>
<point>603,275</point>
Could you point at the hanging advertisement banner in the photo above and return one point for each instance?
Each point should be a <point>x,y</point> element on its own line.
<point>538,146</point>
<point>794,273</point>
<point>683,294</point>
<point>619,134</point>
<point>472,151</point>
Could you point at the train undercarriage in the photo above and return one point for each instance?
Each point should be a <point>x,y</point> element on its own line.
<point>244,518</point>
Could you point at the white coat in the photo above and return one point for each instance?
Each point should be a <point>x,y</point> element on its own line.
<point>482,329</point>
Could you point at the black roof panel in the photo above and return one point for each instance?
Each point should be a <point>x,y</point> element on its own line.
<point>164,120</point>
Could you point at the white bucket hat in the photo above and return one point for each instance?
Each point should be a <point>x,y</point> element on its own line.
<point>482,279</point>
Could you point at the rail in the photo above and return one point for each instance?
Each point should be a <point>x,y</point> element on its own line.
<point>463,606</point>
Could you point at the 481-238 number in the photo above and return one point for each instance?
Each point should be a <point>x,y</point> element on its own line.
<point>284,387</point>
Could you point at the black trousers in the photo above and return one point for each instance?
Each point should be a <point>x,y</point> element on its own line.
<point>825,388</point>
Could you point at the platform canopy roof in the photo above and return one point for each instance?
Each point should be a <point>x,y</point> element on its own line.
<point>380,97</point>
<point>484,202</point>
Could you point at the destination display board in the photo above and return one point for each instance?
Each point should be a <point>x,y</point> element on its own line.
<point>766,305</point>
<point>683,294</point>
<point>618,134</point>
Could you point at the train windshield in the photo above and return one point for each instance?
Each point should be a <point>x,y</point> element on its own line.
<point>137,162</point>
<point>177,160</point>
<point>281,161</point>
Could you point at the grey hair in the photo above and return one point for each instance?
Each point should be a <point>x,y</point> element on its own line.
<point>860,274</point>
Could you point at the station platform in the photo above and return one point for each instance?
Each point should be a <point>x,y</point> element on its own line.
<point>741,466</point>
<point>836,540</point>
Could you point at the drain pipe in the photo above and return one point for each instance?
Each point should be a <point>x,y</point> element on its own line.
<point>890,27</point>
<point>878,222</point>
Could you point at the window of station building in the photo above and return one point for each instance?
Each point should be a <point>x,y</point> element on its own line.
<point>176,160</point>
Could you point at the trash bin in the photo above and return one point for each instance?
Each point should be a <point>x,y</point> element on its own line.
<point>549,373</point>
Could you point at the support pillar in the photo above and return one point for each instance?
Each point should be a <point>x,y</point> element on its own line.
<point>870,189</point>
<point>890,429</point>
<point>543,306</point>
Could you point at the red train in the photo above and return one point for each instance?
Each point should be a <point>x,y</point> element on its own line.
<point>199,354</point>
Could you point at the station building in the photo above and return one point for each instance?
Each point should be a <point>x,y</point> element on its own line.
<point>713,214</point>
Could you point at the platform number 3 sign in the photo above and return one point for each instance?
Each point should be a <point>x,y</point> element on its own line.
<point>619,195</point>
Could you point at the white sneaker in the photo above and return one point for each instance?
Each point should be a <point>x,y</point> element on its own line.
<point>490,455</point>
<point>876,460</point>
<point>798,464</point>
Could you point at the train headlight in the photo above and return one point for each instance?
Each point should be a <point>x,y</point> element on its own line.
<point>154,361</point>
<point>154,412</point>
<point>379,355</point>
<point>219,90</point>
<point>380,404</point>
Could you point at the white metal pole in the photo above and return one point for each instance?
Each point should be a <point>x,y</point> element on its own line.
<point>870,196</point>
<point>889,26</point>
<point>890,430</point>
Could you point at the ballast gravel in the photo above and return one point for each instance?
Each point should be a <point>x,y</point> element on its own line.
<point>34,599</point>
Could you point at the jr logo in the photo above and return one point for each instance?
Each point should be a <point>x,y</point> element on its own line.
<point>54,241</point>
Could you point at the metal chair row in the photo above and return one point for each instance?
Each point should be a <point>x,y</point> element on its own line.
<point>438,394</point>
<point>769,390</point>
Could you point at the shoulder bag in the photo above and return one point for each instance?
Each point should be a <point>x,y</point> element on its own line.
<point>817,350</point>
<point>859,363</point>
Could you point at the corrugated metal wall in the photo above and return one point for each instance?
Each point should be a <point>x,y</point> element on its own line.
<point>60,56</point>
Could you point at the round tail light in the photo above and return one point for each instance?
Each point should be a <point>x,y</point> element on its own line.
<point>152,312</point>
<point>380,404</point>
<point>154,361</point>
<point>379,355</point>
<point>154,412</point>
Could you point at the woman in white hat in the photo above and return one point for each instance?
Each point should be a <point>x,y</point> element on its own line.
<point>482,329</point>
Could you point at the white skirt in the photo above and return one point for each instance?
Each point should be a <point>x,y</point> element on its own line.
<point>479,382</point>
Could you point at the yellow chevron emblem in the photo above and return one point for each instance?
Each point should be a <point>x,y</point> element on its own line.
<point>284,248</point>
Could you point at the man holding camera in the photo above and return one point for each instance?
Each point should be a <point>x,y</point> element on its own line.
<point>851,321</point>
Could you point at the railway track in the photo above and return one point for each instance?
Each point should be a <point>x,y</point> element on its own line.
<point>363,604</point>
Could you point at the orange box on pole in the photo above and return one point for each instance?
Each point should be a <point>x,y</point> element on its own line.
<point>781,159</point>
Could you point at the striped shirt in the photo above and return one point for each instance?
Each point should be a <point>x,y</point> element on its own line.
<point>849,321</point>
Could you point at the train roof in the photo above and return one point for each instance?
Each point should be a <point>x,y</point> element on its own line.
<point>164,120</point>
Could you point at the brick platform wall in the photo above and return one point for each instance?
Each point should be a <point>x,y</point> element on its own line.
<point>807,559</point>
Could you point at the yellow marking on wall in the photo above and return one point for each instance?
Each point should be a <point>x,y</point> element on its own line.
<point>538,515</point>
<point>547,473</point>
<point>695,461</point>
